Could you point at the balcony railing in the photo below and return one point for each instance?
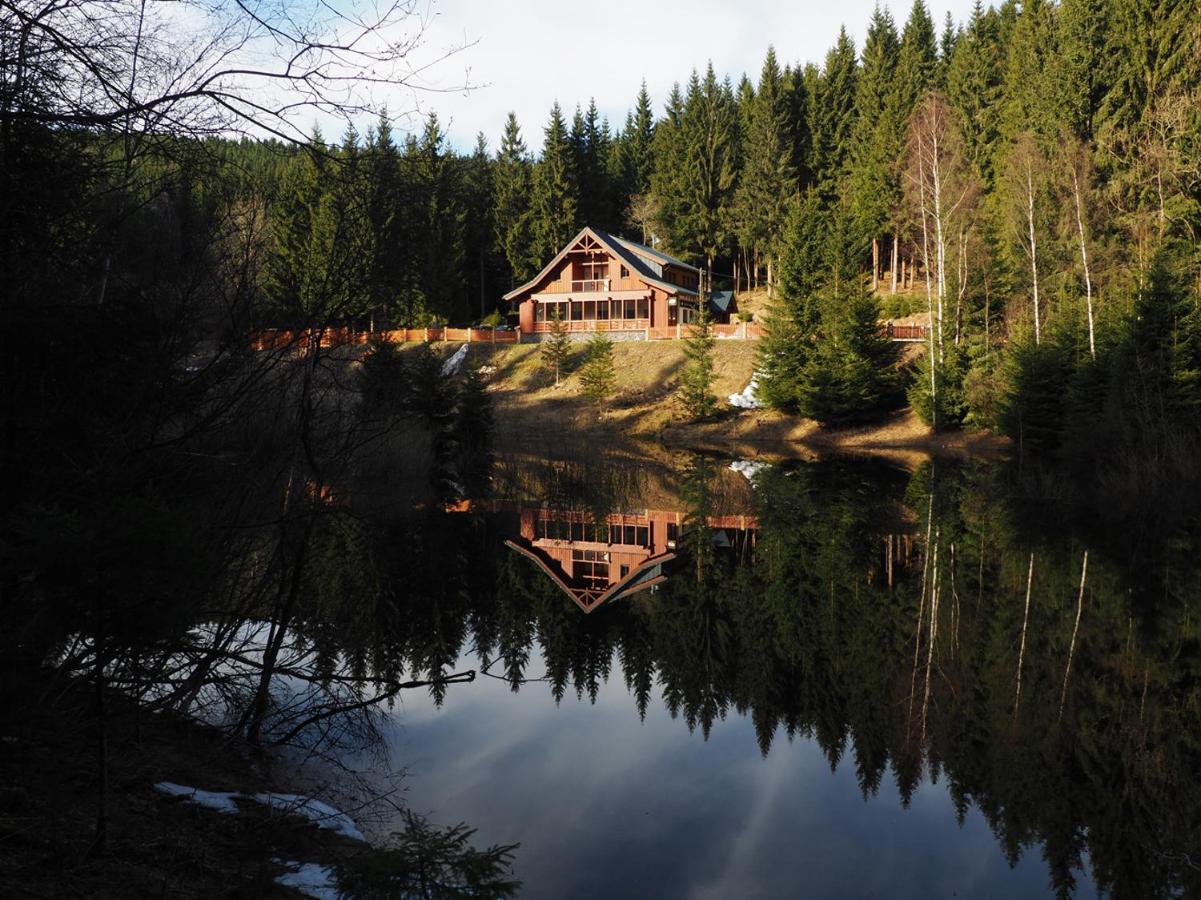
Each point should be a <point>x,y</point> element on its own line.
<point>597,325</point>
<point>588,287</point>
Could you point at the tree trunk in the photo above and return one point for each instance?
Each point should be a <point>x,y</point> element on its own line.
<point>875,264</point>
<point>1017,697</point>
<point>1088,281</point>
<point>895,243</point>
<point>1075,630</point>
<point>1033,249</point>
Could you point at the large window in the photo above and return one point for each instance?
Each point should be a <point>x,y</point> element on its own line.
<point>591,567</point>
<point>594,271</point>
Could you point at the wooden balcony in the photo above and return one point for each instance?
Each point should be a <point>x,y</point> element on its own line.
<point>590,325</point>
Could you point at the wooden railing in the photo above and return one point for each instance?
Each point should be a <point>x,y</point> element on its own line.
<point>278,339</point>
<point>906,332</point>
<point>595,325</point>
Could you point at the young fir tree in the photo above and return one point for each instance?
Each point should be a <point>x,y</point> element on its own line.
<point>696,381</point>
<point>556,192</point>
<point>511,203</point>
<point>598,378</point>
<point>556,347</point>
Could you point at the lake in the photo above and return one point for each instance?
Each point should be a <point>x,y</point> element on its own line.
<point>835,679</point>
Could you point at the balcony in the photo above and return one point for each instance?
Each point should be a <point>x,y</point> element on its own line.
<point>588,325</point>
<point>590,287</point>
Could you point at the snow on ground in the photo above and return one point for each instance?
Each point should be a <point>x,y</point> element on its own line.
<point>746,398</point>
<point>310,879</point>
<point>748,467</point>
<point>320,814</point>
<point>455,362</point>
<point>219,800</point>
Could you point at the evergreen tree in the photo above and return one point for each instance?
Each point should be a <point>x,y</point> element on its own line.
<point>768,181</point>
<point>1083,64</point>
<point>598,377</point>
<point>591,146</point>
<point>1031,100</point>
<point>555,193</point>
<point>668,178</point>
<point>708,128</point>
<point>834,118</point>
<point>512,212</point>
<point>391,261</point>
<point>633,159</point>
<point>556,346</point>
<point>438,210</point>
<point>974,80</point>
<point>876,143</point>
<point>479,230</point>
<point>696,381</point>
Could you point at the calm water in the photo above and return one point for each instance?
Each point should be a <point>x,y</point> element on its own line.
<point>827,680</point>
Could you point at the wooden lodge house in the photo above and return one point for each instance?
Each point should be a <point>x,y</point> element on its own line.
<point>599,282</point>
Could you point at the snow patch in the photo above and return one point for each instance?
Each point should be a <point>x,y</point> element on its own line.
<point>320,814</point>
<point>748,468</point>
<point>310,879</point>
<point>219,800</point>
<point>455,362</point>
<point>746,399</point>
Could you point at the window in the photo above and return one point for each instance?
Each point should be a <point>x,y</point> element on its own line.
<point>577,311</point>
<point>673,531</point>
<point>591,567</point>
<point>644,308</point>
<point>602,309</point>
<point>625,273</point>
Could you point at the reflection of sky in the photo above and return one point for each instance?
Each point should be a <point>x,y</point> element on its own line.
<point>604,805</point>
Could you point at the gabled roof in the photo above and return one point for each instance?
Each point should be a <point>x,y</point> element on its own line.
<point>646,574</point>
<point>636,263</point>
<point>643,250</point>
<point>721,301</point>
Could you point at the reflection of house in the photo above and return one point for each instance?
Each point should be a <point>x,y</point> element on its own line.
<point>597,561</point>
<point>603,283</point>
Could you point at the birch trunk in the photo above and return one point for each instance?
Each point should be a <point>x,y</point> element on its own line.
<point>1088,281</point>
<point>1017,697</point>
<point>1075,630</point>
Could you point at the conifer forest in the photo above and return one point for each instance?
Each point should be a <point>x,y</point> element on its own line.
<point>251,547</point>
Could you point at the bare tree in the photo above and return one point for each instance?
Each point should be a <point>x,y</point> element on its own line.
<point>1024,187</point>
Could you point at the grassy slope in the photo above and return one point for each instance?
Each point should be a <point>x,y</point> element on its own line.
<point>530,408</point>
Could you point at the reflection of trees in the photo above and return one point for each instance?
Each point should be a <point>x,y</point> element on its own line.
<point>811,639</point>
<point>903,669</point>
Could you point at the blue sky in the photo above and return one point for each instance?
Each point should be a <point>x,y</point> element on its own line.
<point>525,54</point>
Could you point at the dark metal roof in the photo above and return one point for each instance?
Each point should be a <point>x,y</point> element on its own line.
<point>721,302</point>
<point>656,254</point>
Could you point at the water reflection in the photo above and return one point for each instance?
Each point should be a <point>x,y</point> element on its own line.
<point>939,637</point>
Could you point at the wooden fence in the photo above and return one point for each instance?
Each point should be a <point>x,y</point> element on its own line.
<point>277,339</point>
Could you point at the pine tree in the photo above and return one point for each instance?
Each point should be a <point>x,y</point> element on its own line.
<point>917,63</point>
<point>974,80</point>
<point>556,347</point>
<point>439,213</point>
<point>633,159</point>
<point>590,144</point>
<point>708,132</point>
<point>874,187</point>
<point>696,381</point>
<point>511,208</point>
<point>1031,102</point>
<point>1084,63</point>
<point>555,192</point>
<point>479,230</point>
<point>598,377</point>
<point>834,117</point>
<point>669,173</point>
<point>768,182</point>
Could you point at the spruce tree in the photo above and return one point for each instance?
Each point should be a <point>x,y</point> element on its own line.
<point>441,218</point>
<point>708,132</point>
<point>974,79</point>
<point>1084,64</point>
<point>632,159</point>
<point>512,213</point>
<point>555,193</point>
<point>598,377</point>
<point>768,181</point>
<point>556,347</point>
<point>876,144</point>
<point>834,118</point>
<point>668,177</point>
<point>696,380</point>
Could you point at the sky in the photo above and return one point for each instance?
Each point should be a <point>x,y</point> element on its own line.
<point>522,55</point>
